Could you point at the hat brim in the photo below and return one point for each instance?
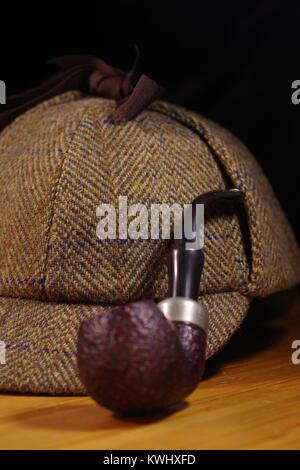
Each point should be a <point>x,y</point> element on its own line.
<point>40,340</point>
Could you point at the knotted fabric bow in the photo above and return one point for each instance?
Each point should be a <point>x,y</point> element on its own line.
<point>133,92</point>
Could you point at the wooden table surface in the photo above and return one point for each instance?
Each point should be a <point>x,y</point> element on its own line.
<point>250,399</point>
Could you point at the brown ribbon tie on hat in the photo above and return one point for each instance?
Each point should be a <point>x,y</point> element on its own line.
<point>133,92</point>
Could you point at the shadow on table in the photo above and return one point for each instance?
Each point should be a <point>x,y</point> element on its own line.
<point>262,328</point>
<point>76,416</point>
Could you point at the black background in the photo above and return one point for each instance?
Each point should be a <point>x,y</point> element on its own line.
<point>232,61</point>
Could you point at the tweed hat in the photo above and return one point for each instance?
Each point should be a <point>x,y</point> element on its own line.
<point>61,159</point>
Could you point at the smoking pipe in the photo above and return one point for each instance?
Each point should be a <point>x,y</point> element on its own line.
<point>143,357</point>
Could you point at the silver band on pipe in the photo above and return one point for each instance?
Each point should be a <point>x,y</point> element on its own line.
<point>186,310</point>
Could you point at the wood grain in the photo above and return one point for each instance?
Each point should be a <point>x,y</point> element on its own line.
<point>249,399</point>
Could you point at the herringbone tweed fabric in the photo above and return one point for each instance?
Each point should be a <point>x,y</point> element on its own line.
<point>42,339</point>
<point>62,159</point>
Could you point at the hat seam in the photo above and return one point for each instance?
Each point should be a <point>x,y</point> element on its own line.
<point>112,304</point>
<point>54,191</point>
<point>62,98</point>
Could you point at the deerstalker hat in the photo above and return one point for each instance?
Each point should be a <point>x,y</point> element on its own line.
<point>62,156</point>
